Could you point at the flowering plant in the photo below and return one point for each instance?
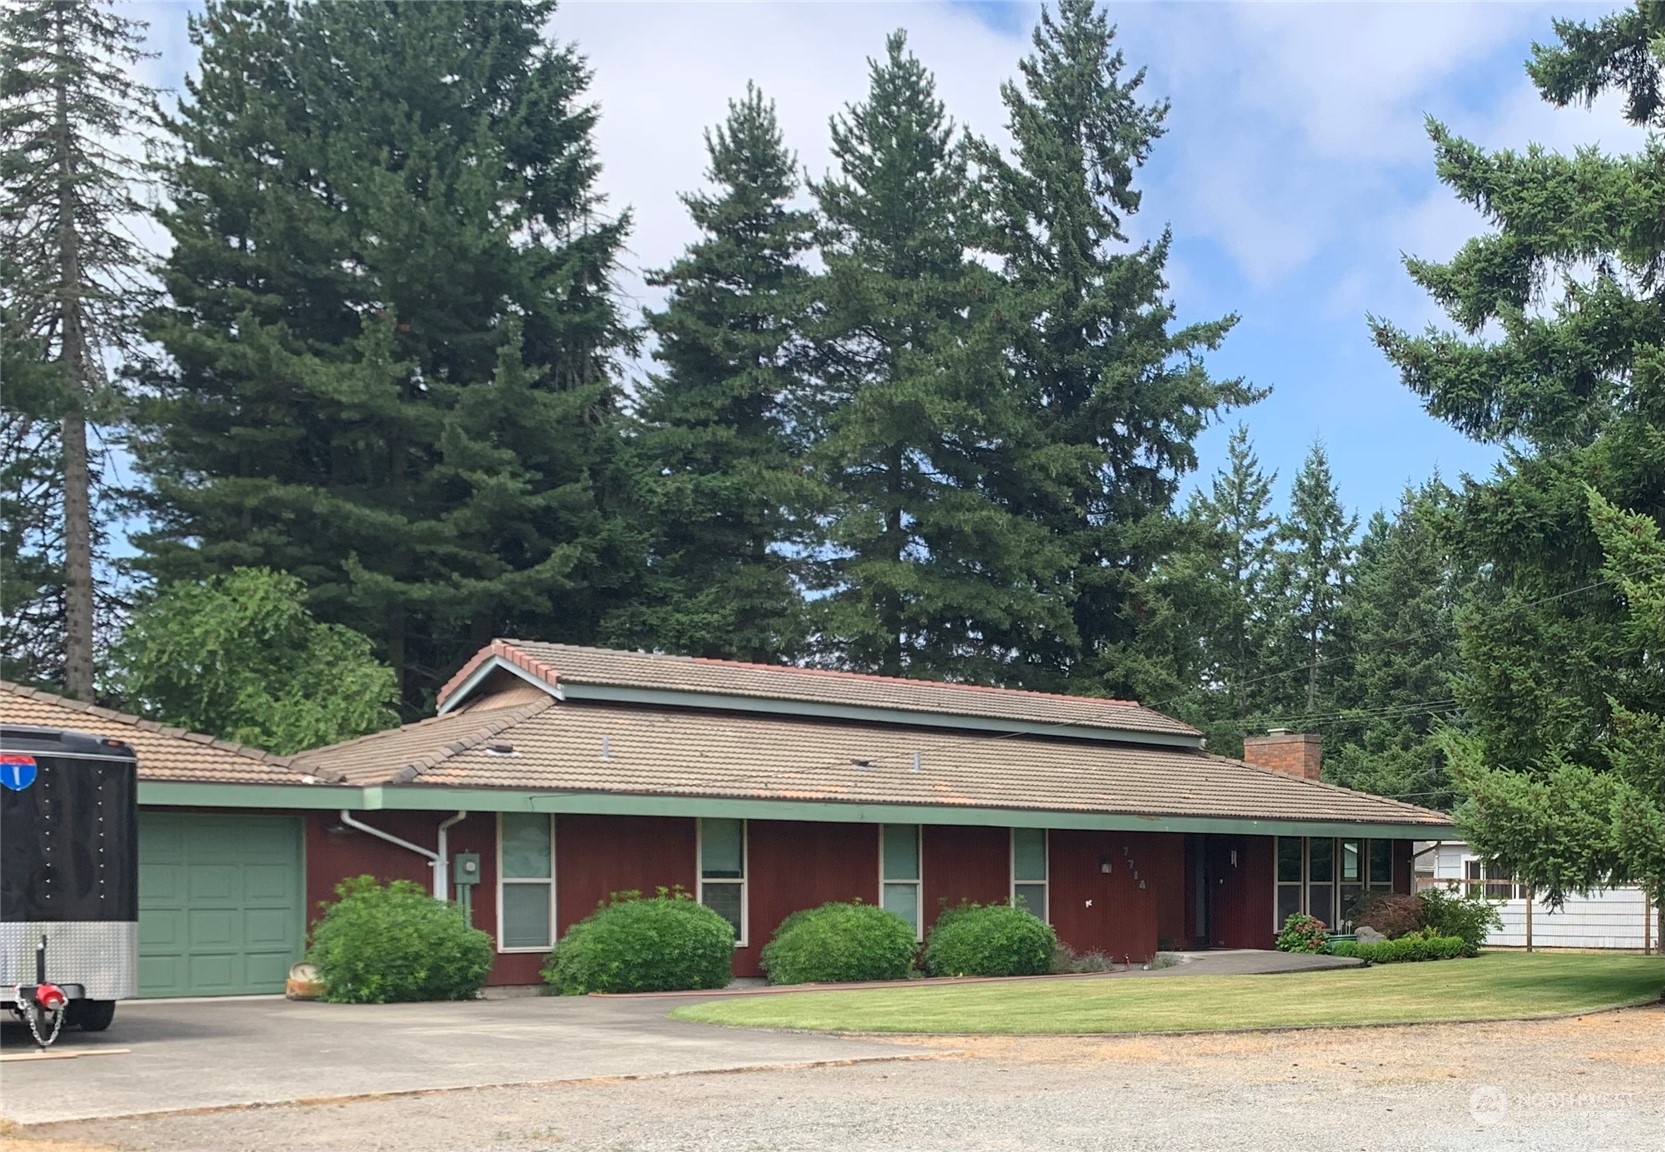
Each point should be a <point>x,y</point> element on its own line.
<point>1303,933</point>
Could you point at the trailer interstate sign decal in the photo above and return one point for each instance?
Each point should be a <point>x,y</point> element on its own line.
<point>17,772</point>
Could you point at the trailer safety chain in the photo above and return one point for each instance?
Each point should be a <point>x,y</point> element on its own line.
<point>31,1013</point>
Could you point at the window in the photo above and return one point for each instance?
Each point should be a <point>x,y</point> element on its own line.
<point>1321,880</point>
<point>722,852</point>
<point>1352,876</point>
<point>1381,865</point>
<point>1029,875</point>
<point>525,882</point>
<point>899,873</point>
<point>1291,867</point>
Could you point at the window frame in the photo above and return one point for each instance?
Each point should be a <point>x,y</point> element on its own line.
<point>744,883</point>
<point>554,925</point>
<point>1279,884</point>
<point>1046,861</point>
<point>918,881</point>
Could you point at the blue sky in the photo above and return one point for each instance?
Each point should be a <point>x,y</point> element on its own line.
<point>1295,172</point>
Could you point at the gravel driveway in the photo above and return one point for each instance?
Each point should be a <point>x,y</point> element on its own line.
<point>1582,1085</point>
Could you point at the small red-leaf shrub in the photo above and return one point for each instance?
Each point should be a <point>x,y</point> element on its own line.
<point>1303,933</point>
<point>1393,914</point>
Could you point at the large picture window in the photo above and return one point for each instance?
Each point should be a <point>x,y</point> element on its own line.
<point>899,870</point>
<point>1029,873</point>
<point>722,852</point>
<point>525,882</point>
<point>1326,877</point>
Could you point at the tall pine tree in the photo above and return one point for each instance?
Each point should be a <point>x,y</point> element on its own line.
<point>1401,610</point>
<point>1314,566</point>
<point>922,440</point>
<point>715,461</point>
<point>387,354</point>
<point>1558,352</point>
<point>1119,390</point>
<point>72,124</point>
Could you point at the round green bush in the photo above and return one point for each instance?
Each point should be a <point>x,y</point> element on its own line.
<point>384,944</point>
<point>668,943</point>
<point>990,940</point>
<point>838,943</point>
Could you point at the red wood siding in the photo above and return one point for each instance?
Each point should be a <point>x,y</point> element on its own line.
<point>965,864</point>
<point>798,864</point>
<point>1259,899</point>
<point>1165,876</point>
<point>598,855</point>
<point>1095,911</point>
<point>334,855</point>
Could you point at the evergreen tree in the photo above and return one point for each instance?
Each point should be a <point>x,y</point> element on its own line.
<point>1401,609</point>
<point>387,349</point>
<point>1245,607</point>
<point>1314,566</point>
<point>1119,391</point>
<point>71,121</point>
<point>1559,353</point>
<point>715,461</point>
<point>922,438</point>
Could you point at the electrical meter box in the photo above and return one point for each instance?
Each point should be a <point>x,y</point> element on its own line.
<point>465,868</point>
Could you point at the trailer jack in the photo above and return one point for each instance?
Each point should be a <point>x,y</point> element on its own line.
<point>41,1006</point>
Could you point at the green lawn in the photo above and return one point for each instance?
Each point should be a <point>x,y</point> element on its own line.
<point>1495,985</point>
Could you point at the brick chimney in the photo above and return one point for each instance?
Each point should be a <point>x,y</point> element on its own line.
<point>1292,753</point>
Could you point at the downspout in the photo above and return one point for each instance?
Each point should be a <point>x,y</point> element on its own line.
<point>439,861</point>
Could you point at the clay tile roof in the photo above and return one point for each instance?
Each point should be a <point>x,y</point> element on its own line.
<point>400,755</point>
<point>165,753</point>
<point>558,664</point>
<point>597,746</point>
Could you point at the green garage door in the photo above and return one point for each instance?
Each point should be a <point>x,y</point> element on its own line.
<point>220,903</point>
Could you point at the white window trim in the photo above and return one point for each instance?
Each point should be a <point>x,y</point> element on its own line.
<point>1011,870</point>
<point>745,881</point>
<point>554,925</point>
<point>919,871</point>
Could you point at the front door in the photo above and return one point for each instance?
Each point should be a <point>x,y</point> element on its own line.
<point>1223,924</point>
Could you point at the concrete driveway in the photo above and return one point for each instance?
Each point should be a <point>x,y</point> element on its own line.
<point>208,1053</point>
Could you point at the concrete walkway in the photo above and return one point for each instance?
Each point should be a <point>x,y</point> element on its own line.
<point>207,1054</point>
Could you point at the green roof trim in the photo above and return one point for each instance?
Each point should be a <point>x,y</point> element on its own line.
<point>435,799</point>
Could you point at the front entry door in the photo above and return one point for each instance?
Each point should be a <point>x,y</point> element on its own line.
<point>1223,914</point>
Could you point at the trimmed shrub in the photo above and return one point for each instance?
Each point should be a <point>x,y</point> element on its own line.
<point>1470,917</point>
<point>989,940</point>
<point>1417,946</point>
<point>838,943</point>
<point>1302,933</point>
<point>385,944</point>
<point>668,943</point>
<point>1393,914</point>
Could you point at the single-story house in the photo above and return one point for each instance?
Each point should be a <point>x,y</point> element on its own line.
<point>563,774</point>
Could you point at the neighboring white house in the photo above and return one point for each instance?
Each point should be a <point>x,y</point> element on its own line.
<point>1617,918</point>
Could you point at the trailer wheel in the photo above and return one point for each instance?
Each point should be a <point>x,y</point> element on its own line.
<point>92,1015</point>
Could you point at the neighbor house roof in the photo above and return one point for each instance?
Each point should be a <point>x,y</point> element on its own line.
<point>701,682</point>
<point>164,752</point>
<point>602,747</point>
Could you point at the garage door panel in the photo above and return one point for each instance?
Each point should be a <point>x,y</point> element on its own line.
<point>269,883</point>
<point>221,903</point>
<point>162,975</point>
<point>212,975</point>
<point>266,967</point>
<point>214,929</point>
<point>214,883</point>
<point>161,885</point>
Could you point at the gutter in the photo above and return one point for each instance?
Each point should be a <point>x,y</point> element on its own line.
<point>439,861</point>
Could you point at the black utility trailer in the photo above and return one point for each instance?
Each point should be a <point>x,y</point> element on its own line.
<point>69,877</point>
